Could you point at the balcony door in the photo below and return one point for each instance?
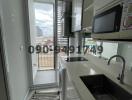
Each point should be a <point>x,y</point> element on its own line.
<point>44,23</point>
<point>43,40</point>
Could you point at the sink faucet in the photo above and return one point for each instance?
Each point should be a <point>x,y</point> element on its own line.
<point>121,76</point>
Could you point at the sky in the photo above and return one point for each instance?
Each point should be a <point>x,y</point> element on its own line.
<point>44,18</point>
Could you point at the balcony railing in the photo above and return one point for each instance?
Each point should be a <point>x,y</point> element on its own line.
<point>46,61</point>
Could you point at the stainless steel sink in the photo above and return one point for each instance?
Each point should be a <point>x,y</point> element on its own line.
<point>102,88</point>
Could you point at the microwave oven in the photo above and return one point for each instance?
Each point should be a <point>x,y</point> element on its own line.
<point>115,19</point>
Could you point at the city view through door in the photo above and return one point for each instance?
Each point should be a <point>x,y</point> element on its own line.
<point>45,34</point>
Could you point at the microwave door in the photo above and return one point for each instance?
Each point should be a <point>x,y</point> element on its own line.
<point>105,23</point>
<point>108,21</point>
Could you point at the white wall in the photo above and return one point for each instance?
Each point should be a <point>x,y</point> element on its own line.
<point>76,41</point>
<point>109,49</point>
<point>14,43</point>
<point>125,50</point>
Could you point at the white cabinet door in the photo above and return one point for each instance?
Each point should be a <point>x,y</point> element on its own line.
<point>76,15</point>
<point>87,3</point>
<point>71,92</point>
<point>102,3</point>
<point>88,10</point>
<point>73,15</point>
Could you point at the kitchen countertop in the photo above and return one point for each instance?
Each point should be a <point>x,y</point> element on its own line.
<point>84,68</point>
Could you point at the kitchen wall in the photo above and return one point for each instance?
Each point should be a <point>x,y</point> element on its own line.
<point>73,40</point>
<point>14,44</point>
<point>109,49</point>
<point>125,49</point>
<point>76,41</point>
<point>112,48</point>
<point>113,69</point>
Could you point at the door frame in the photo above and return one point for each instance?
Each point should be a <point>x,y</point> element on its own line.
<point>3,64</point>
<point>54,28</point>
<point>28,39</point>
<point>55,34</point>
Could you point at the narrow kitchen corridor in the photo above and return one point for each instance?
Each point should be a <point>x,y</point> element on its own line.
<point>65,49</point>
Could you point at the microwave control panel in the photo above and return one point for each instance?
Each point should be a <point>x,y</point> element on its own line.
<point>126,23</point>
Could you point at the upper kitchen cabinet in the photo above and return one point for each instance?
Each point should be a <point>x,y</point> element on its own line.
<point>66,18</point>
<point>88,9</point>
<point>77,15</point>
<point>103,4</point>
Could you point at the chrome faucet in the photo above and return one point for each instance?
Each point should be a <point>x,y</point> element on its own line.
<point>121,76</point>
